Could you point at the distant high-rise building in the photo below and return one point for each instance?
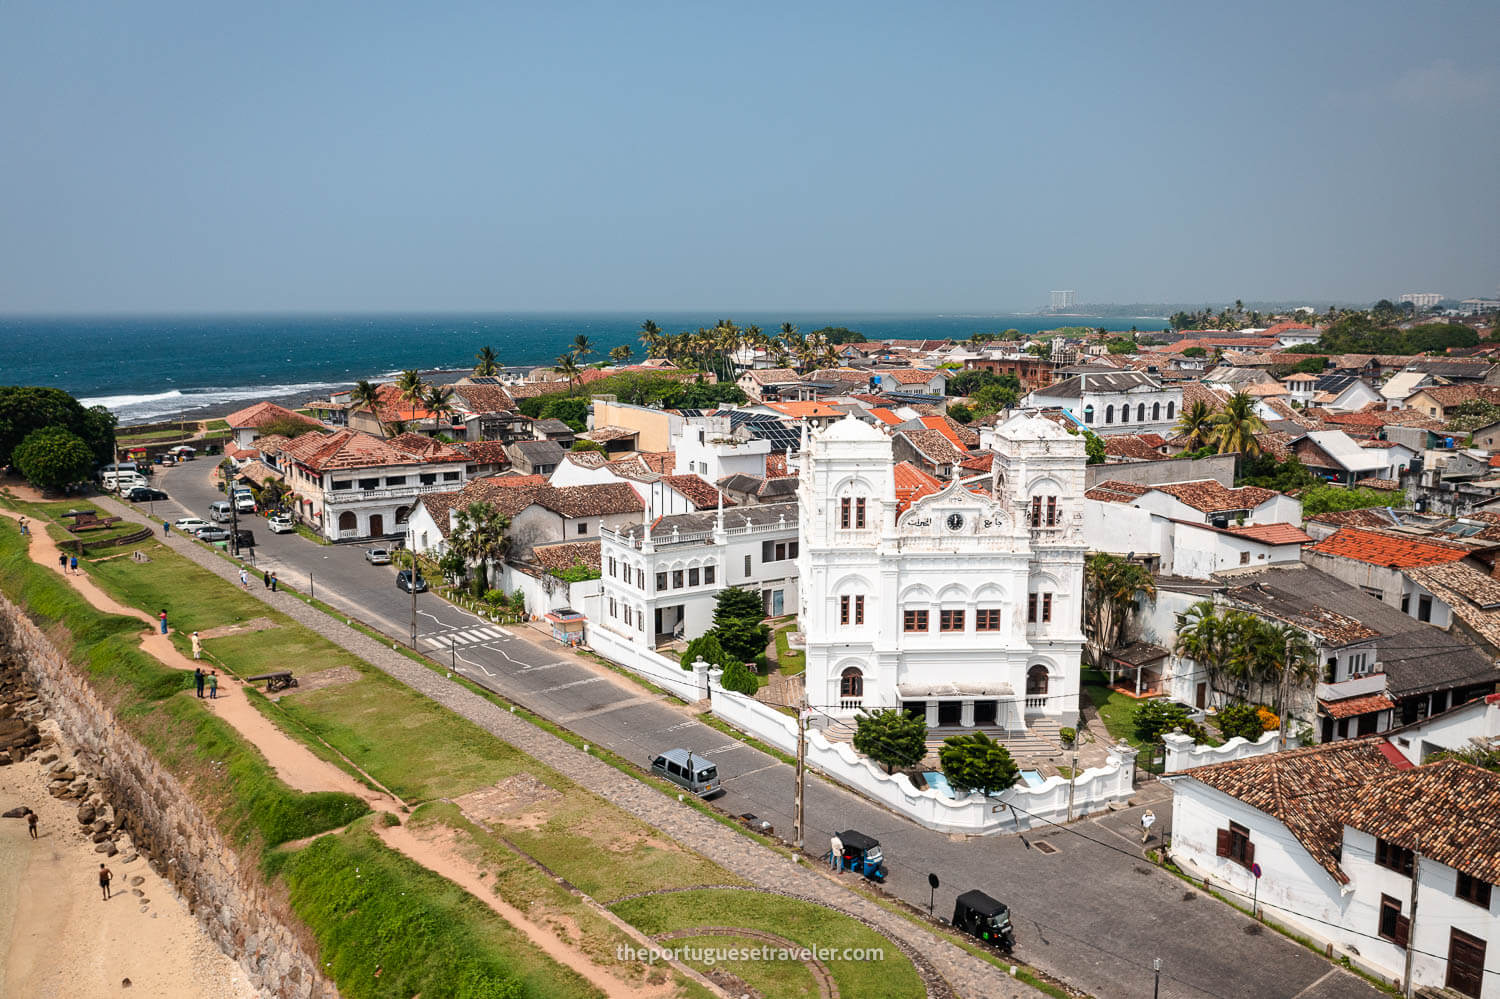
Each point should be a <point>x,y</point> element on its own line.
<point>1422,299</point>
<point>1062,300</point>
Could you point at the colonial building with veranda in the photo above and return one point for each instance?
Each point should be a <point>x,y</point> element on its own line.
<point>961,603</point>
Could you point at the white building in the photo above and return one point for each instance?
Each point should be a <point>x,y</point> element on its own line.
<point>351,485</point>
<point>711,447</point>
<point>962,604</point>
<point>1358,850</point>
<point>1063,299</point>
<point>662,578</point>
<point>1422,299</point>
<point>1123,402</point>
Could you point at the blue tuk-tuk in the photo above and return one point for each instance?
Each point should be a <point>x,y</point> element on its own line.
<point>862,855</point>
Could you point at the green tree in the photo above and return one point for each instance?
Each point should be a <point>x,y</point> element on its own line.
<point>975,762</point>
<point>567,366</point>
<point>25,408</point>
<point>1112,585</point>
<point>570,409</point>
<point>1235,426</point>
<point>439,401</point>
<point>291,427</point>
<point>53,457</point>
<point>1241,720</point>
<point>479,538</point>
<point>706,647</point>
<point>621,354</point>
<point>1194,352</point>
<point>838,335</point>
<point>1268,473</point>
<point>489,363</point>
<point>364,395</point>
<point>411,387</point>
<point>738,678</point>
<point>1093,446</point>
<point>738,614</point>
<point>1471,414</point>
<point>1330,498</point>
<point>1197,424</point>
<point>1154,717</point>
<point>891,738</point>
<point>587,445</point>
<point>582,347</point>
<point>993,398</point>
<point>960,412</point>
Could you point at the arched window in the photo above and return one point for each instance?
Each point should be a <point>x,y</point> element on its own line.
<point>851,684</point>
<point>1140,413</point>
<point>1109,413</point>
<point>1088,414</point>
<point>1036,681</point>
<point>402,513</point>
<point>1169,409</point>
<point>348,521</point>
<point>1156,411</point>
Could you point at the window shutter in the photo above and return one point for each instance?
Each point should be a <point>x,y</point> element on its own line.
<point>1403,930</point>
<point>1249,853</point>
<point>1223,843</point>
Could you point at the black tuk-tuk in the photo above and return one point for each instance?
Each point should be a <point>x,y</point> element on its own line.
<point>978,915</point>
<point>862,855</point>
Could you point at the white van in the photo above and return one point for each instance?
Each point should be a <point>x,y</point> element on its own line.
<point>220,512</point>
<point>244,500</point>
<point>123,481</point>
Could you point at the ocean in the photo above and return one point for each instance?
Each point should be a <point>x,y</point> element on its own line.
<point>146,368</point>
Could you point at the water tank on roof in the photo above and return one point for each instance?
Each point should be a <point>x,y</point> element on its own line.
<point>1447,442</point>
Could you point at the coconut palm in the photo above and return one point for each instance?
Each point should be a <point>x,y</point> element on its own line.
<point>1265,653</point>
<point>489,364</point>
<point>1236,424</point>
<point>1111,587</point>
<point>652,339</point>
<point>439,399</point>
<point>567,366</point>
<point>364,395</point>
<point>621,354</point>
<point>479,538</point>
<point>582,347</point>
<point>1196,424</point>
<point>411,386</point>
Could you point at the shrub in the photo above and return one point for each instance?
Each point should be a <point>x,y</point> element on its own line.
<point>1240,720</point>
<point>891,738</point>
<point>1156,716</point>
<point>707,648</point>
<point>1269,722</point>
<point>1067,734</point>
<point>496,598</point>
<point>738,678</point>
<point>977,763</point>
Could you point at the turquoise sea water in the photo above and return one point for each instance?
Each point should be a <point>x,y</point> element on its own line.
<point>146,367</point>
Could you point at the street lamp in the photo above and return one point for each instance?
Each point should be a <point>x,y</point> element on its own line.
<point>1156,967</point>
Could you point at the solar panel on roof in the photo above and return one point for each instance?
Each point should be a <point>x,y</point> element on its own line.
<point>484,380</point>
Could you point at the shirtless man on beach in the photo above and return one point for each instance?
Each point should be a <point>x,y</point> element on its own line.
<point>104,879</point>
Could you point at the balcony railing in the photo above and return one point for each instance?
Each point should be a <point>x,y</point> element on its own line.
<point>850,703</point>
<point>662,539</point>
<point>337,497</point>
<point>1036,702</point>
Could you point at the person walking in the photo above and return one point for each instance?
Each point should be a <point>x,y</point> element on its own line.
<point>163,617</point>
<point>213,685</point>
<point>31,822</point>
<point>836,853</point>
<point>22,522</point>
<point>197,646</point>
<point>166,529</point>
<point>73,564</point>
<point>198,680</point>
<point>104,879</point>
<point>274,582</point>
<point>62,561</point>
<point>244,578</point>
<point>1148,819</point>
<point>266,578</point>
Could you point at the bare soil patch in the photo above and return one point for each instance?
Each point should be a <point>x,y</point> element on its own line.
<point>254,624</point>
<point>335,677</point>
<point>521,802</point>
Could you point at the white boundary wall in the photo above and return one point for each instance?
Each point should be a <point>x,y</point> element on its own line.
<point>972,814</point>
<point>691,685</point>
<point>1184,754</point>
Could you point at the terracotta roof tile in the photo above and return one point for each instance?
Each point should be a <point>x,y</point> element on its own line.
<point>1379,548</point>
<point>934,446</point>
<point>774,376</point>
<point>261,413</point>
<point>658,461</point>
<point>1209,496</point>
<point>698,490</point>
<point>912,483</point>
<point>1115,491</point>
<point>483,398</point>
<point>566,555</point>
<point>589,501</point>
<point>602,435</point>
<point>1368,517</point>
<point>1449,806</point>
<point>1272,534</point>
<point>1307,790</point>
<point>1349,707</point>
<point>351,449</point>
<point>1143,447</point>
<point>803,410</point>
<point>909,376</point>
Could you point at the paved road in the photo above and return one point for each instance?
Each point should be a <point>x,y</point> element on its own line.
<point>1089,910</point>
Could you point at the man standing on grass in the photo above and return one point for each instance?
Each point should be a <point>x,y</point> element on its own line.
<point>198,680</point>
<point>197,646</point>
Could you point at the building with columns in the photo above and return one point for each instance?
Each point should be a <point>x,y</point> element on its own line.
<point>960,601</point>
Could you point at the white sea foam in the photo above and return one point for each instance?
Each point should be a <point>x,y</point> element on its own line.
<point>142,407</point>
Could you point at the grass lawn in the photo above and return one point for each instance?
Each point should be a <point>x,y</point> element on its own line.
<point>1116,711</point>
<point>792,661</point>
<point>216,425</point>
<point>807,924</point>
<point>287,646</point>
<point>311,535</point>
<point>127,438</point>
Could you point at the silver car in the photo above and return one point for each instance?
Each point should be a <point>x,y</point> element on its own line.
<point>378,556</point>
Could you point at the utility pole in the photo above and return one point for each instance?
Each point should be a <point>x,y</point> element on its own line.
<point>1411,919</point>
<point>801,772</point>
<point>1072,784</point>
<point>411,584</point>
<point>234,523</point>
<point>1286,674</point>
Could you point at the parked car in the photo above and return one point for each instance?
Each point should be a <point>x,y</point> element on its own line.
<point>697,774</point>
<point>190,525</point>
<point>220,512</point>
<point>280,524</point>
<point>244,501</point>
<point>212,533</point>
<point>378,556</point>
<point>144,494</point>
<point>403,581</point>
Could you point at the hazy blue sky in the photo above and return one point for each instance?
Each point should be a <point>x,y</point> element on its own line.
<point>861,156</point>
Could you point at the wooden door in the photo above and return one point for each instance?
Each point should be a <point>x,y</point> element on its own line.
<point>1465,963</point>
<point>1200,697</point>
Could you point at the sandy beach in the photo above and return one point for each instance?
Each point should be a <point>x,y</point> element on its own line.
<point>60,940</point>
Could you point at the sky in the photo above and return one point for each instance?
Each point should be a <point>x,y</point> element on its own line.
<point>869,156</point>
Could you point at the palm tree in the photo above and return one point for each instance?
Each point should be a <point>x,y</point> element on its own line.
<point>567,365</point>
<point>439,399</point>
<point>1235,426</point>
<point>479,538</point>
<point>1271,652</point>
<point>582,346</point>
<point>364,395</point>
<point>488,364</point>
<point>410,386</point>
<point>621,354</point>
<point>1197,424</point>
<point>1111,586</point>
<point>652,339</point>
<point>1205,638</point>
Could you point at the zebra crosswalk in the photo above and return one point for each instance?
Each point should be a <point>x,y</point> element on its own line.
<point>471,636</point>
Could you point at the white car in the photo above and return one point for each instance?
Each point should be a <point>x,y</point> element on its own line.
<point>280,524</point>
<point>190,525</point>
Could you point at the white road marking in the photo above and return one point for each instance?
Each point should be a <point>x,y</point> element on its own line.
<point>569,686</point>
<point>724,749</point>
<point>747,773</point>
<point>505,633</point>
<point>680,727</point>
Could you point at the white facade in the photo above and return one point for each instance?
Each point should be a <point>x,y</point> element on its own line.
<point>1127,402</point>
<point>1422,299</point>
<point>663,582</point>
<point>367,503</point>
<point>956,606</point>
<point>709,446</point>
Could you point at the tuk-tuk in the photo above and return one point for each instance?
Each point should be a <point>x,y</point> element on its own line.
<point>980,916</point>
<point>862,855</point>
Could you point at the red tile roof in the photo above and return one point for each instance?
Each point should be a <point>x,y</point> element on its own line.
<point>351,449</point>
<point>1272,534</point>
<point>1145,447</point>
<point>886,416</point>
<point>1352,706</point>
<point>1445,809</point>
<point>803,410</point>
<point>702,495</point>
<point>1209,496</point>
<point>262,413</point>
<point>1389,550</point>
<point>909,376</point>
<point>912,483</point>
<point>1115,491</point>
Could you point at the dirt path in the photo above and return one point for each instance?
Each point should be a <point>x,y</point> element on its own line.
<point>300,768</point>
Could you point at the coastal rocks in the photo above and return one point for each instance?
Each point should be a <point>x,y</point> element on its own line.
<point>146,812</point>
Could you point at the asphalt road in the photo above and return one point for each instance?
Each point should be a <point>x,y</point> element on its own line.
<point>1087,907</point>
